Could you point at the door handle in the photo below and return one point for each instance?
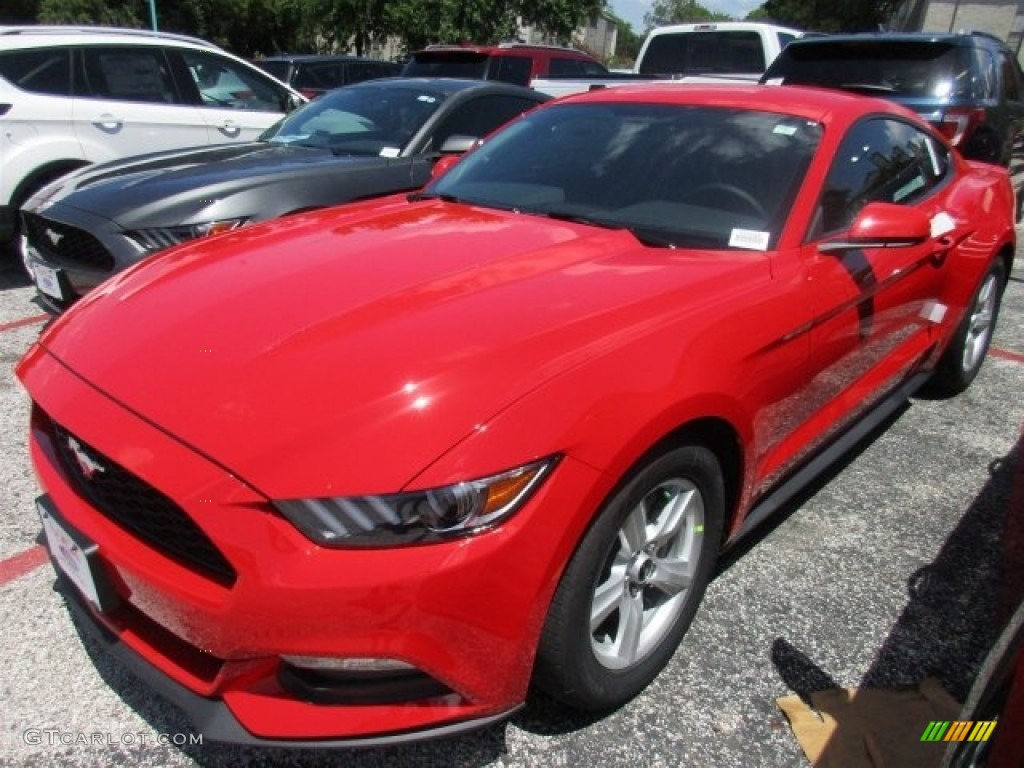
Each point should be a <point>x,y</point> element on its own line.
<point>230,127</point>
<point>108,122</point>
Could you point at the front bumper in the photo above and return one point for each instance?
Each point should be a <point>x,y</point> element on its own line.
<point>212,718</point>
<point>466,614</point>
<point>79,249</point>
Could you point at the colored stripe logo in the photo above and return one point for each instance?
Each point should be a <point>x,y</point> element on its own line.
<point>959,730</point>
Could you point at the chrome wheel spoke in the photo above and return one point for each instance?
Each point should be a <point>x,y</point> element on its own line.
<point>631,625</point>
<point>606,599</point>
<point>672,576</point>
<point>675,516</point>
<point>633,535</point>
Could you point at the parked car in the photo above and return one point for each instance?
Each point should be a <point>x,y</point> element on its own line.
<point>365,474</point>
<point>368,139</point>
<point>313,75</point>
<point>969,85</point>
<point>70,96</point>
<point>511,62</point>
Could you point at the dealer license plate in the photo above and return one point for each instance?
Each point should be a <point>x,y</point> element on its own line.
<point>72,551</point>
<point>48,281</point>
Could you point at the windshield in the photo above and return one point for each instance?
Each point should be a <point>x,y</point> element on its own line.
<point>676,176</point>
<point>926,69</point>
<point>365,120</point>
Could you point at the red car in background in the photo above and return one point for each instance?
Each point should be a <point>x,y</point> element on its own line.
<point>362,475</point>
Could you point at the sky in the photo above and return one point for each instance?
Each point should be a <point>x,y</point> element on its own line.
<point>633,10</point>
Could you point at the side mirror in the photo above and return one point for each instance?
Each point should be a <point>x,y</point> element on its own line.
<point>441,166</point>
<point>290,102</point>
<point>883,225</point>
<point>458,144</point>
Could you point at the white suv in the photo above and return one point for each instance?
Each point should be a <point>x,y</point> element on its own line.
<point>70,96</point>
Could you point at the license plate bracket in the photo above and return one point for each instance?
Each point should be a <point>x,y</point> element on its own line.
<point>76,557</point>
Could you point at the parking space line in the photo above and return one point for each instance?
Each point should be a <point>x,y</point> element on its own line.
<point>18,565</point>
<point>1005,354</point>
<point>23,322</point>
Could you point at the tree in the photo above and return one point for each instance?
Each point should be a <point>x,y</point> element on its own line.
<point>828,15</point>
<point>681,12</point>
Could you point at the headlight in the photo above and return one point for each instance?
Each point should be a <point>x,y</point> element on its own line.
<point>416,517</point>
<point>158,238</point>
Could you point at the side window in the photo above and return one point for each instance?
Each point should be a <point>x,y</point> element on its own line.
<point>1011,76</point>
<point>480,116</point>
<point>227,84</point>
<point>880,160</point>
<point>128,74</point>
<point>511,69</point>
<point>41,70</point>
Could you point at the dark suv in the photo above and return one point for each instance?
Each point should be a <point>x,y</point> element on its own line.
<point>968,85</point>
<point>312,75</point>
<point>516,63</point>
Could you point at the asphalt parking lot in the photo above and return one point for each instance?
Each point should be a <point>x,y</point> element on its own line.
<point>898,566</point>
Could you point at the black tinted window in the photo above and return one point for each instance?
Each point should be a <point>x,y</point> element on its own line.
<point>897,68</point>
<point>480,117</point>
<point>696,52</point>
<point>447,64</point>
<point>43,70</point>
<point>128,74</point>
<point>880,160</point>
<point>511,69</point>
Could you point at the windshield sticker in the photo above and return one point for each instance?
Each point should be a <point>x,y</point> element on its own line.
<point>428,99</point>
<point>389,152</point>
<point>785,130</point>
<point>751,239</point>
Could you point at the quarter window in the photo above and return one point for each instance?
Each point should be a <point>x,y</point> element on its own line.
<point>880,160</point>
<point>43,70</point>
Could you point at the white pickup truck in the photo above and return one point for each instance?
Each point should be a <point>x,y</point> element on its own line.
<point>712,52</point>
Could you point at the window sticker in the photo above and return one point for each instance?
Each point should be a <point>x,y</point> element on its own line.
<point>389,151</point>
<point>426,98</point>
<point>784,129</point>
<point>750,239</point>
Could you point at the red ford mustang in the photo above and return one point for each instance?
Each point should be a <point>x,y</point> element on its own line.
<point>363,475</point>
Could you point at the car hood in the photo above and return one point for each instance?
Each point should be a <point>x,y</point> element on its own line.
<point>148,190</point>
<point>343,351</point>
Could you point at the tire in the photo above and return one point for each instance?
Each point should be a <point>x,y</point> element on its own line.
<point>633,585</point>
<point>960,363</point>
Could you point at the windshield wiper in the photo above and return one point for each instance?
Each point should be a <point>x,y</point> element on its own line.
<point>868,88</point>
<point>415,197</point>
<point>578,218</point>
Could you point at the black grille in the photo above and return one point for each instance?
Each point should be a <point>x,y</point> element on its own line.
<point>138,507</point>
<point>66,246</point>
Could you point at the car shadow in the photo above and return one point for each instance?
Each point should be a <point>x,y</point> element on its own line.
<point>956,607</point>
<point>12,273</point>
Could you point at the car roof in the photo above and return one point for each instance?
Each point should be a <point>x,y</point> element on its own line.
<point>447,85</point>
<point>503,49</point>
<point>36,36</point>
<point>316,57</point>
<point>798,101</point>
<point>963,38</point>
